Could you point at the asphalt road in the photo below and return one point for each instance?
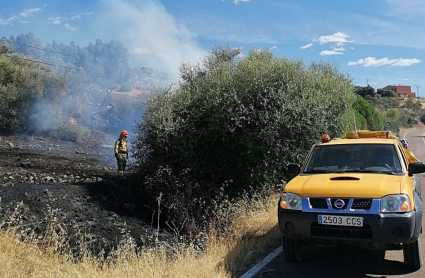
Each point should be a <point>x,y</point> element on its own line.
<point>344,262</point>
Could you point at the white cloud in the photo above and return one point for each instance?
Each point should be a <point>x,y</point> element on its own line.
<point>373,62</point>
<point>403,8</point>
<point>237,1</point>
<point>59,19</point>
<point>28,12</point>
<point>339,38</point>
<point>74,17</point>
<point>69,27</point>
<point>20,18</point>
<point>3,22</point>
<point>56,20</point>
<point>306,46</point>
<point>273,47</point>
<point>329,52</point>
<point>339,49</point>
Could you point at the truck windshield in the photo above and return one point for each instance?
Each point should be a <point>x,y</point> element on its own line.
<point>368,158</point>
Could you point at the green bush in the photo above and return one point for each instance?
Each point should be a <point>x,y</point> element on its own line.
<point>22,86</point>
<point>56,125</point>
<point>70,131</point>
<point>409,117</point>
<point>365,91</point>
<point>373,118</point>
<point>392,125</point>
<point>236,124</point>
<point>386,93</point>
<point>423,118</point>
<point>361,122</point>
<point>383,103</point>
<point>393,114</point>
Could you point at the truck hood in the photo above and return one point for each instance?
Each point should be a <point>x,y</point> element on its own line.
<point>352,185</point>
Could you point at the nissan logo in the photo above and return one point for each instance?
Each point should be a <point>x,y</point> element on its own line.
<point>339,203</point>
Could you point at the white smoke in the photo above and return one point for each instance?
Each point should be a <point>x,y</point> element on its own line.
<point>153,36</point>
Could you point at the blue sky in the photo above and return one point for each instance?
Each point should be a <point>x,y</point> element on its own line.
<point>379,41</point>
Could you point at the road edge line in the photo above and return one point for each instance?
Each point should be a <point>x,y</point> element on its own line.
<point>256,268</point>
<point>404,136</point>
<point>423,134</point>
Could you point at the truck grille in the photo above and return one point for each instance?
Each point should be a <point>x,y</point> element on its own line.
<point>361,204</point>
<point>341,208</point>
<point>340,232</point>
<point>318,203</point>
<point>321,203</point>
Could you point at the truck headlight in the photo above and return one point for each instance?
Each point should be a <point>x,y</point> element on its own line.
<point>291,201</point>
<point>395,203</point>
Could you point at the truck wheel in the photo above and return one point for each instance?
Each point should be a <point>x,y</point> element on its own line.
<point>412,255</point>
<point>292,248</point>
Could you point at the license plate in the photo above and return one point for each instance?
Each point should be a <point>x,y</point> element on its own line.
<point>341,220</point>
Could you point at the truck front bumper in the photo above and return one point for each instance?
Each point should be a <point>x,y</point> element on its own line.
<point>378,231</point>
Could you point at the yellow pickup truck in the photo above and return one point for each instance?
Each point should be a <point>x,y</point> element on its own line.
<point>358,190</point>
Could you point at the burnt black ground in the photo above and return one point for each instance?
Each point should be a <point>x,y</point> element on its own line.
<point>77,183</point>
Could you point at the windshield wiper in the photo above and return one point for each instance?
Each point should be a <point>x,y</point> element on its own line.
<point>318,171</point>
<point>367,171</point>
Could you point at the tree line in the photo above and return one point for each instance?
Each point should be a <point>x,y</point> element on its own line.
<point>105,63</point>
<point>81,81</point>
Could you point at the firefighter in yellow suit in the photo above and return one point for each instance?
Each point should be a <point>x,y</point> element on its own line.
<point>121,152</point>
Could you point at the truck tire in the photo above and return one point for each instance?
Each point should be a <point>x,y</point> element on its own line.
<point>292,248</point>
<point>412,255</point>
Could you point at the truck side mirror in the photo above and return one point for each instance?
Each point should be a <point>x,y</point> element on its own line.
<point>294,169</point>
<point>416,168</point>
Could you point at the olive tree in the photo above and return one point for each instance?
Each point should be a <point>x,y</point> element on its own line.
<point>234,123</point>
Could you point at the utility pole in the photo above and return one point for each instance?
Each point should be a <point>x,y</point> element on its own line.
<point>417,89</point>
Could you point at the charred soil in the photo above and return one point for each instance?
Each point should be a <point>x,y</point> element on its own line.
<point>75,186</point>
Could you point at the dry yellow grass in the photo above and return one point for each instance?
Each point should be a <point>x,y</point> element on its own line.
<point>225,255</point>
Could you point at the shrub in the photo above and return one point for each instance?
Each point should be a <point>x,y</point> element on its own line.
<point>423,118</point>
<point>386,93</point>
<point>70,131</point>
<point>373,118</point>
<point>392,125</point>
<point>22,85</point>
<point>235,124</point>
<point>47,119</point>
<point>365,91</point>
